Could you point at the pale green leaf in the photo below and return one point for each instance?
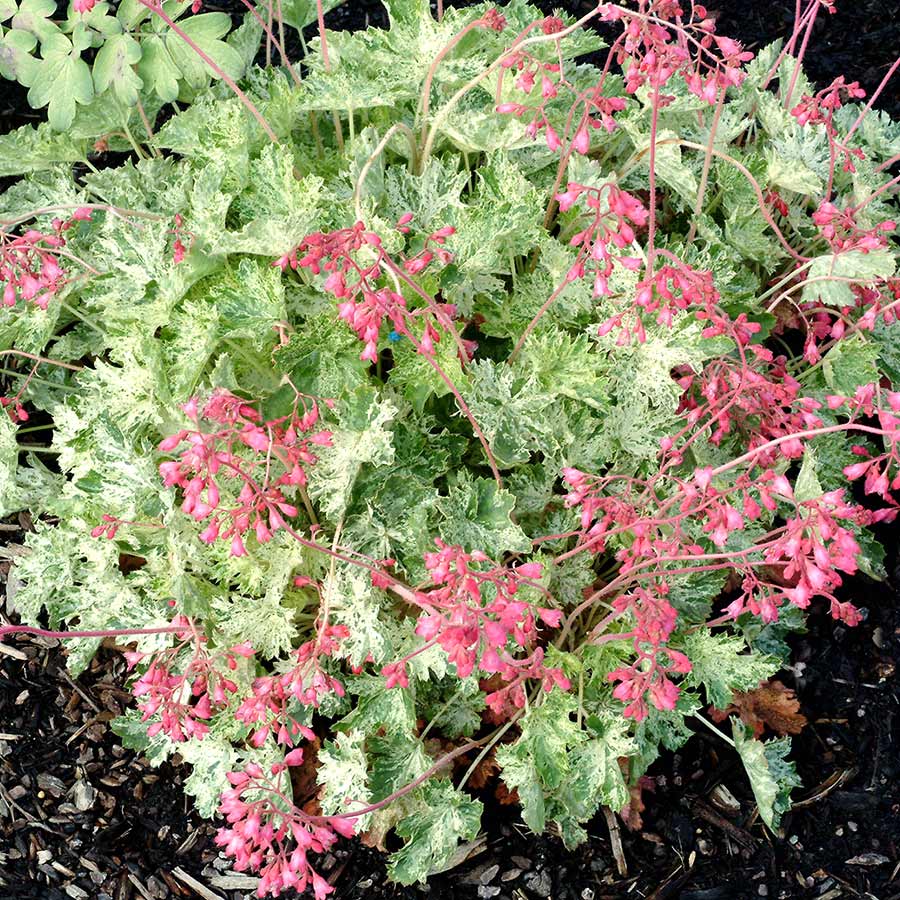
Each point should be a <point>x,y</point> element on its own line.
<point>300,13</point>
<point>35,17</point>
<point>353,602</point>
<point>788,167</point>
<point>113,67</point>
<point>10,494</point>
<point>432,833</point>
<point>361,438</point>
<point>721,664</point>
<point>377,707</point>
<point>452,706</point>
<point>322,357</point>
<point>16,61</point>
<point>61,80</point>
<point>855,265</point>
<point>157,69</point>
<point>771,776</point>
<point>205,30</point>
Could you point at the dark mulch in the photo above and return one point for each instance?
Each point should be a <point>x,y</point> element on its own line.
<point>81,818</point>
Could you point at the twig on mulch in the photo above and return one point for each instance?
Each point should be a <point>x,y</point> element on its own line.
<point>676,881</point>
<point>200,889</point>
<point>832,782</point>
<point>615,840</point>
<point>705,811</point>
<point>79,690</point>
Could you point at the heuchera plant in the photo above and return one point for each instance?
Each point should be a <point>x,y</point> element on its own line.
<point>447,405</point>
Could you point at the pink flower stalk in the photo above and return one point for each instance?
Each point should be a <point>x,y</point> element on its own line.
<point>473,614</point>
<point>669,290</point>
<point>30,269</point>
<point>652,53</point>
<point>598,111</point>
<point>843,233</point>
<point>185,695</point>
<point>266,458</point>
<point>810,553</point>
<point>820,109</point>
<point>793,563</point>
<point>363,303</point>
<point>755,396</point>
<point>613,225</point>
<point>268,707</point>
<point>268,834</point>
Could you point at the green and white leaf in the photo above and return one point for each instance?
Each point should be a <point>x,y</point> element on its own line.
<point>771,776</point>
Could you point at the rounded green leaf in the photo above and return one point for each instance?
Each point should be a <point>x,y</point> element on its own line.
<point>62,79</point>
<point>156,68</point>
<point>16,61</point>
<point>204,30</point>
<point>114,67</point>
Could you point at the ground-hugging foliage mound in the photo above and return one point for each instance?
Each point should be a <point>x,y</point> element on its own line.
<point>443,397</point>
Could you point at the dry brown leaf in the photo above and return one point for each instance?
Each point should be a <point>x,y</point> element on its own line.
<point>304,778</point>
<point>504,795</point>
<point>770,705</point>
<point>484,772</point>
<point>631,811</point>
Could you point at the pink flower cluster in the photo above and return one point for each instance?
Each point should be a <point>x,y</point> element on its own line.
<point>596,111</point>
<point>826,325</point>
<point>670,289</point>
<point>185,696</point>
<point>658,42</point>
<point>306,682</point>
<point>648,676</point>
<point>29,263</point>
<point>613,224</point>
<point>794,562</point>
<point>755,396</point>
<point>663,41</point>
<point>473,614</point>
<point>875,469</point>
<point>843,232</point>
<point>659,536</point>
<point>493,20</point>
<point>265,457</point>
<point>179,251</point>
<point>820,109</point>
<point>805,561</point>
<point>363,304</point>
<point>14,408</point>
<point>268,834</point>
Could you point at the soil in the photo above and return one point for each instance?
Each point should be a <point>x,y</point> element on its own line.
<point>82,818</point>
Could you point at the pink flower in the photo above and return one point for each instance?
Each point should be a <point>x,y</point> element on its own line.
<point>582,141</point>
<point>275,839</point>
